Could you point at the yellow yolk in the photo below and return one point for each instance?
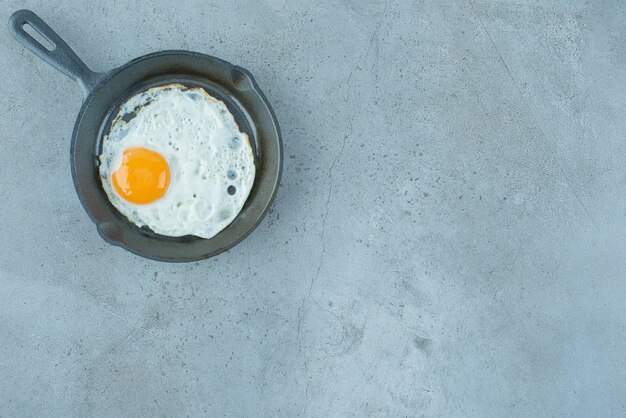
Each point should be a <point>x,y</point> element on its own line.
<point>143,176</point>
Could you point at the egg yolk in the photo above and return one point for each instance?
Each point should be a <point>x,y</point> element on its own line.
<point>142,177</point>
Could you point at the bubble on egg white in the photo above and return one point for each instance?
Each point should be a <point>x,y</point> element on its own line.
<point>206,152</point>
<point>234,142</point>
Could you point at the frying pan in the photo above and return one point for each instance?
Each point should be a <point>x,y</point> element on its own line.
<point>105,92</point>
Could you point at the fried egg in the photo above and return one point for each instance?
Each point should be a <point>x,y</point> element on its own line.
<point>174,160</point>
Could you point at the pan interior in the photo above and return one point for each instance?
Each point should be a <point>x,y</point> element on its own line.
<point>240,114</point>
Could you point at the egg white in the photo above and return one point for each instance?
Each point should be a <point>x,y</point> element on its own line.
<point>206,153</point>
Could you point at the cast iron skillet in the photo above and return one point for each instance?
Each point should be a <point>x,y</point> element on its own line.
<point>104,93</point>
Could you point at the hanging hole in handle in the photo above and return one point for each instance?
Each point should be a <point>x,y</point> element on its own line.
<point>37,36</point>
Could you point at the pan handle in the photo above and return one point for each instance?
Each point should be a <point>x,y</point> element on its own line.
<point>60,56</point>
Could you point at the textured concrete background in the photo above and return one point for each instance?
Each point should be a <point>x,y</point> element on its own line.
<point>449,238</point>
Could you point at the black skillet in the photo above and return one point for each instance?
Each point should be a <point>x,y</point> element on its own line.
<point>104,92</point>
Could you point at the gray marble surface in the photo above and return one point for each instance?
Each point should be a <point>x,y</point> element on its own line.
<point>449,238</point>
